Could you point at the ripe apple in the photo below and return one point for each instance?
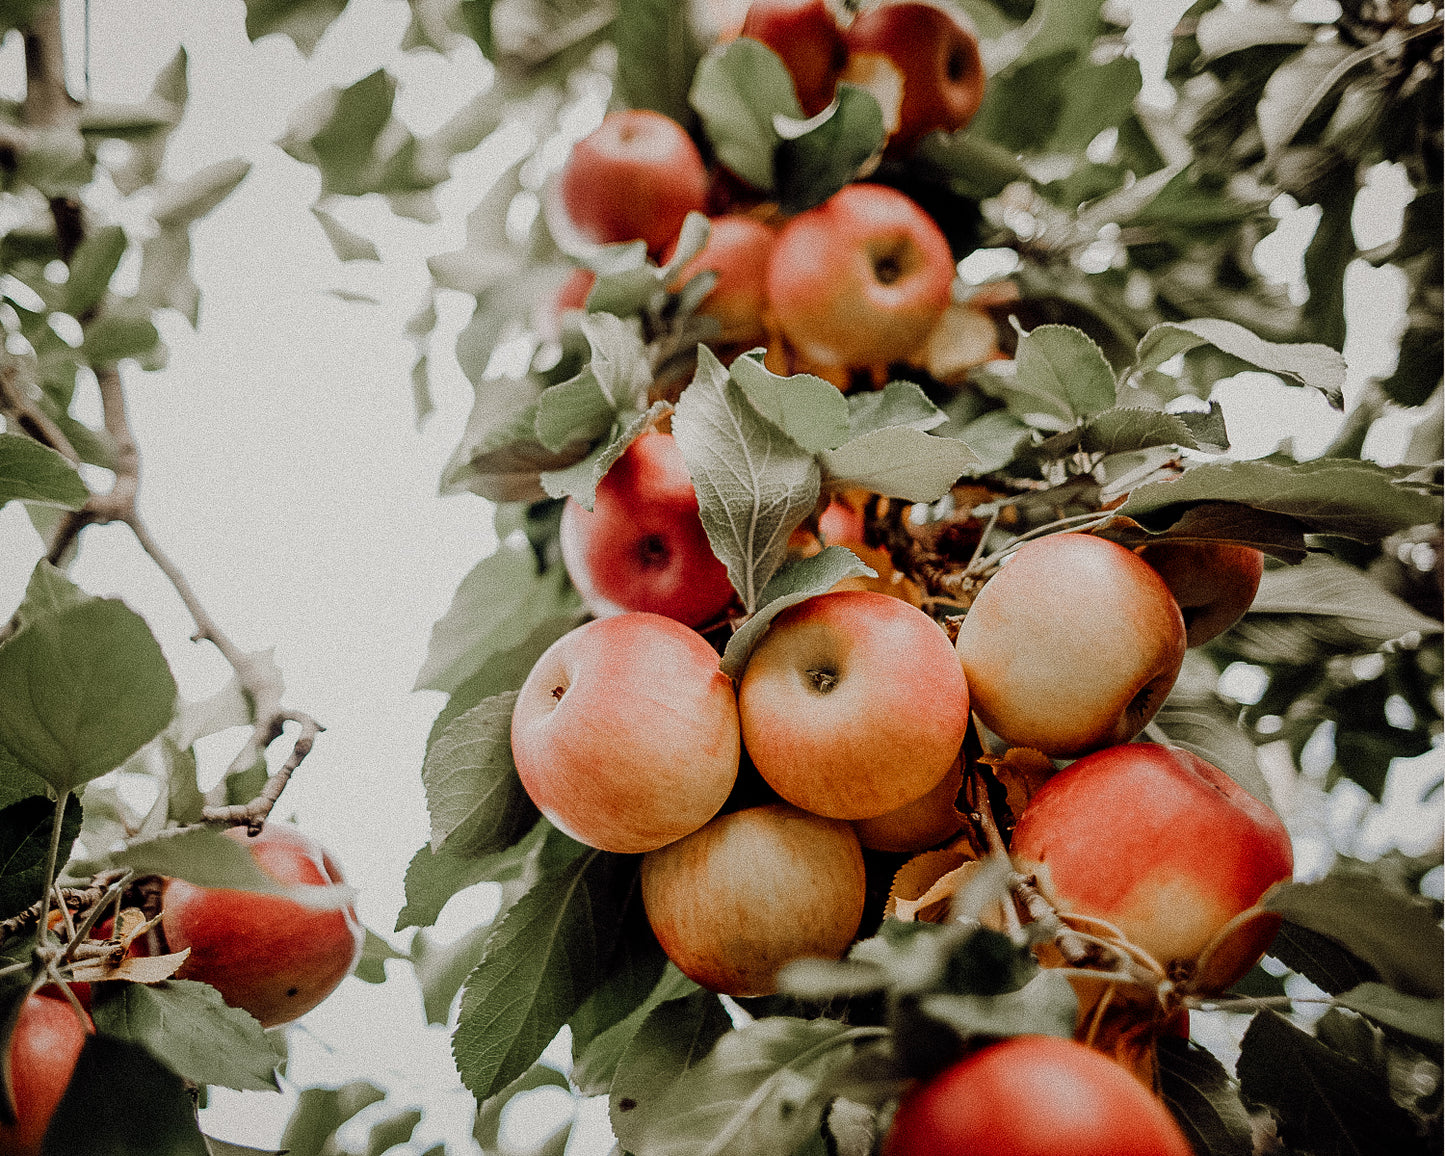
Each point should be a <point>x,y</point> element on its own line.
<point>1213,582</point>
<point>753,890</point>
<point>625,733</point>
<point>636,176</point>
<point>1160,843</point>
<point>1071,646</point>
<point>923,823</point>
<point>936,52</point>
<point>805,34</point>
<point>1033,1096</point>
<point>274,957</point>
<point>853,704</point>
<point>43,1051</point>
<point>737,251</point>
<point>643,546</point>
<point>861,279</point>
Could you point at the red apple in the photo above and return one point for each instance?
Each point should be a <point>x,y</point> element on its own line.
<point>625,733</point>
<point>43,1051</point>
<point>274,957</point>
<point>853,704</point>
<point>754,890</point>
<point>1071,646</point>
<point>1033,1096</point>
<point>936,52</point>
<point>1213,582</point>
<point>861,279</point>
<point>805,34</point>
<point>636,176</point>
<point>1158,842</point>
<point>923,823</point>
<point>737,251</point>
<point>643,546</point>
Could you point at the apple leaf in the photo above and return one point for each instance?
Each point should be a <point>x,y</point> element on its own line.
<point>321,1111</point>
<point>1325,962</point>
<point>542,960</point>
<point>619,359</point>
<point>808,409</point>
<point>761,1091</point>
<point>31,472</point>
<point>1351,498</point>
<point>597,1062</point>
<point>899,403</point>
<point>738,92</point>
<point>1225,30</point>
<point>898,462</point>
<point>580,480</point>
<point>1045,1005</point>
<point>442,967</point>
<point>499,456</point>
<point>1278,535</point>
<point>670,1039</point>
<point>48,592</point>
<point>347,244</point>
<point>192,1030</point>
<point>433,877</point>
<point>81,690</point>
<point>25,830</point>
<point>1123,430</point>
<point>488,1126</point>
<point>1060,374</point>
<point>755,485</point>
<point>1204,1100</point>
<point>477,803</point>
<point>1326,586</point>
<point>813,166</point>
<point>1304,363</point>
<point>657,55</point>
<point>793,583</point>
<point>574,410</point>
<point>1411,1014</point>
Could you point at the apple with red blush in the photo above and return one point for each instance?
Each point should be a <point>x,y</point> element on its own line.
<point>49,1034</point>
<point>806,36</point>
<point>1213,582</point>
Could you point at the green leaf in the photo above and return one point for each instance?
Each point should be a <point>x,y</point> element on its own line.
<point>657,55</point>
<point>81,690</point>
<point>92,267</point>
<point>1223,30</point>
<point>808,409</point>
<point>320,1112</point>
<point>812,167</point>
<point>304,21</point>
<point>487,1129</point>
<point>899,462</point>
<point>191,1030</point>
<point>1410,1014</point>
<point>347,244</point>
<point>1095,98</point>
<point>48,592</point>
<point>1060,373</point>
<point>375,951</point>
<point>1395,934</point>
<point>181,204</point>
<point>477,803</point>
<point>338,131</point>
<point>121,1101</point>
<point>1124,430</point>
<point>973,165</point>
<point>1323,961</point>
<point>899,403</point>
<point>574,410</point>
<point>619,359</point>
<point>16,783</point>
<point>795,582</point>
<point>1046,1005</point>
<point>580,480</point>
<point>388,1133</point>
<point>441,969</point>
<point>1204,1100</point>
<point>671,1039</point>
<point>761,1091</point>
<point>754,484</point>
<point>114,336</point>
<point>25,831</point>
<point>597,1062</point>
<point>1304,363</point>
<point>738,93</point>
<point>1297,87</point>
<point>499,456</point>
<point>31,472</point>
<point>433,877</point>
<point>1059,25</point>
<point>1350,498</point>
<point>1322,585</point>
<point>541,961</point>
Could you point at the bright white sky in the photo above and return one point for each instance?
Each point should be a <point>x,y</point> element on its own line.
<point>283,472</point>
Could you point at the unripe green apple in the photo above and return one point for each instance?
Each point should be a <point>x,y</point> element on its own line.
<point>625,733</point>
<point>753,890</point>
<point>47,1041</point>
<point>853,704</point>
<point>274,957</point>
<point>1072,646</point>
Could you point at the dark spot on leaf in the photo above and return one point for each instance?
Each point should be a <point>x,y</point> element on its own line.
<point>626,1104</point>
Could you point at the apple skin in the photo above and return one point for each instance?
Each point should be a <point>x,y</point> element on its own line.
<point>643,546</point>
<point>737,251</point>
<point>923,823</point>
<point>625,733</point>
<point>1033,1096</point>
<point>268,955</point>
<point>1213,582</point>
<point>753,890</point>
<point>853,704</point>
<point>937,54</point>
<point>1071,646</point>
<point>1158,842</point>
<point>43,1051</point>
<point>636,176</point>
<point>860,280</point>
<point>805,34</point>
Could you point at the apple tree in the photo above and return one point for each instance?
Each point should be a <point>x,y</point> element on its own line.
<point>970,339</point>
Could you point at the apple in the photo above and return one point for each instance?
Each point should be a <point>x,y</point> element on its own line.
<point>625,733</point>
<point>1161,844</point>
<point>1071,646</point>
<point>1033,1096</point>
<point>642,546</point>
<point>49,1034</point>
<point>923,823</point>
<point>636,176</point>
<point>860,280</point>
<point>805,34</point>
<point>751,891</point>
<point>1213,582</point>
<point>936,53</point>
<point>737,251</point>
<point>272,956</point>
<point>853,704</point>
<point>570,294</point>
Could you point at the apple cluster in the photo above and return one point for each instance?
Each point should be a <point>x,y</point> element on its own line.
<point>847,287</point>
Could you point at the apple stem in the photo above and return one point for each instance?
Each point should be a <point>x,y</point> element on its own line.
<point>50,860</point>
<point>1075,522</point>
